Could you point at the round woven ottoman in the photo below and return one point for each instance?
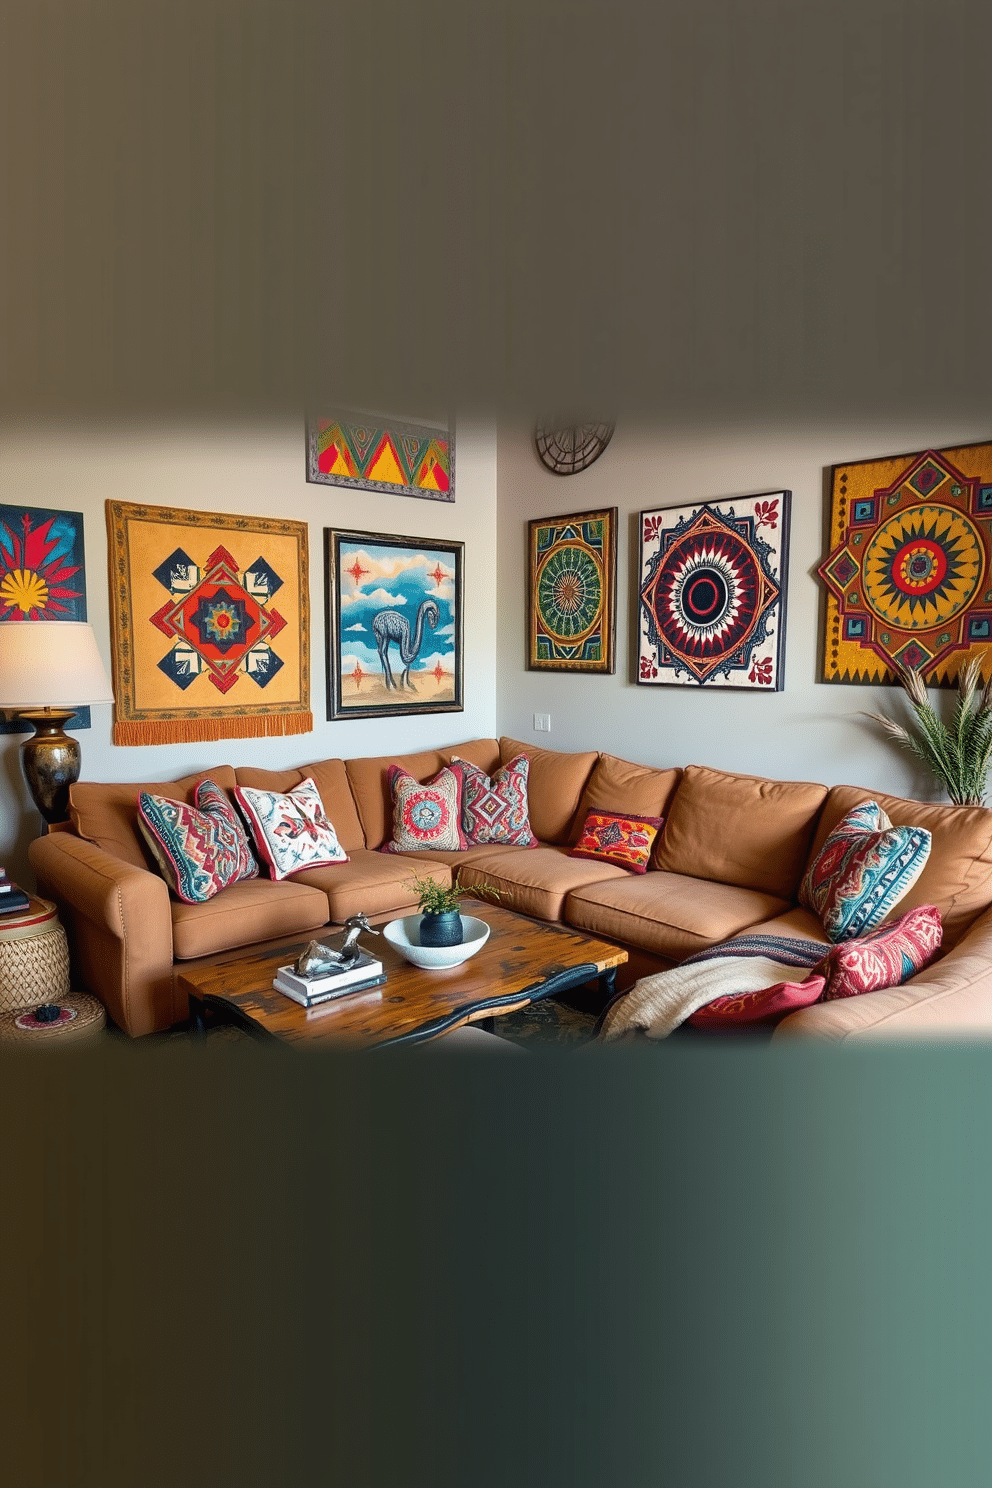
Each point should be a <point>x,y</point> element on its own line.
<point>34,958</point>
<point>80,1017</point>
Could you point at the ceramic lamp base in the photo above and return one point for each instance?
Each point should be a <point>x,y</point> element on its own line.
<point>51,761</point>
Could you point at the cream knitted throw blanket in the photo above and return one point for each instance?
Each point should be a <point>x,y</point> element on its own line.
<point>657,1004</point>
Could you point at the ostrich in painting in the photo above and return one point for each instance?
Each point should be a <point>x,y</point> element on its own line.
<point>390,625</point>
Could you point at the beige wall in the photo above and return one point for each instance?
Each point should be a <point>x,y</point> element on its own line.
<point>258,472</point>
<point>811,730</point>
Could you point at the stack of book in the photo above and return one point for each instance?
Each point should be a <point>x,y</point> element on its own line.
<point>364,976</point>
<point>12,899</point>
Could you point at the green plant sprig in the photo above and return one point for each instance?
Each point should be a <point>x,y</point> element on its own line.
<point>959,755</point>
<point>435,898</point>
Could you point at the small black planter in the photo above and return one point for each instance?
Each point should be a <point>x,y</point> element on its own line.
<point>441,929</point>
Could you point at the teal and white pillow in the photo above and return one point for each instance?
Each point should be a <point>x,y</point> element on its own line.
<point>862,871</point>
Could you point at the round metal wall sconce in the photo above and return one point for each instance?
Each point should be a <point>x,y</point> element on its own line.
<point>572,448</point>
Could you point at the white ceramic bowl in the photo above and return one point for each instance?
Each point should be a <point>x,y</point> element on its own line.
<point>405,936</point>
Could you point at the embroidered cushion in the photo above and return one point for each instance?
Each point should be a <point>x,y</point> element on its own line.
<point>494,809</point>
<point>885,957</point>
<point>426,816</point>
<point>862,870</point>
<point>767,1006</point>
<point>292,831</point>
<point>613,837</point>
<point>200,849</point>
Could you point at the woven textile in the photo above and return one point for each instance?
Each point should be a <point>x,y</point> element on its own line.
<point>656,1005</point>
<point>291,832</point>
<point>885,957</point>
<point>200,849</point>
<point>426,816</point>
<point>210,625</point>
<point>494,809</point>
<point>862,871</point>
<point>767,1005</point>
<point>612,837</point>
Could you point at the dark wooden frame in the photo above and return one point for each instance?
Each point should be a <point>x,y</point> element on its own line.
<point>333,538</point>
<point>607,663</point>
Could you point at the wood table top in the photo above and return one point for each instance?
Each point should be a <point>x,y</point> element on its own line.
<point>519,956</point>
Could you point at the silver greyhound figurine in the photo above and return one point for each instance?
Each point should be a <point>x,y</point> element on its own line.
<point>318,958</point>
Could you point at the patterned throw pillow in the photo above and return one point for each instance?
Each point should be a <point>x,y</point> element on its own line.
<point>291,832</point>
<point>200,849</point>
<point>495,810</point>
<point>767,1006</point>
<point>885,957</point>
<point>862,871</point>
<point>426,816</point>
<point>612,837</point>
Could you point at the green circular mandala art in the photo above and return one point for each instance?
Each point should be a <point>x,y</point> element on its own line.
<point>570,593</point>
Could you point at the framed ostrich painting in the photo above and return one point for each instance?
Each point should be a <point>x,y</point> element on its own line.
<point>394,625</point>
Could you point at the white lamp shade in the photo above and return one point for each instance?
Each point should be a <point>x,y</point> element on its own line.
<point>51,664</point>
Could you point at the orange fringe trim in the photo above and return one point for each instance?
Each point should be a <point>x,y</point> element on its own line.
<point>193,730</point>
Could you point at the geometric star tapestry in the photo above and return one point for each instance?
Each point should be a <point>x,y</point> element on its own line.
<point>572,578</point>
<point>908,575</point>
<point>712,594</point>
<point>210,625</point>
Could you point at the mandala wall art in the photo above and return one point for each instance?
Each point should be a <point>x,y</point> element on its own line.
<point>394,625</point>
<point>42,577</point>
<point>372,452</point>
<point>908,573</point>
<point>711,609</point>
<point>210,625</point>
<point>572,592</point>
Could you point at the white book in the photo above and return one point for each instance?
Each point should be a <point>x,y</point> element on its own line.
<point>335,994</point>
<point>362,970</point>
<point>346,1000</point>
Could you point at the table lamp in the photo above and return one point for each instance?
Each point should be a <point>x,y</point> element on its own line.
<point>48,668</point>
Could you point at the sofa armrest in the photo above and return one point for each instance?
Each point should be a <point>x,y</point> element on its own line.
<point>950,999</point>
<point>119,924</point>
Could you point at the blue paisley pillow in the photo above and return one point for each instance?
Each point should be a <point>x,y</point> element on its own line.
<point>862,871</point>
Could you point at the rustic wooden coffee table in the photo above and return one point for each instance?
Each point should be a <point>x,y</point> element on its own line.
<point>522,961</point>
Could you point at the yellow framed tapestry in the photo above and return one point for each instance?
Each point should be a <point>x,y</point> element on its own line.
<point>210,625</point>
<point>908,574</point>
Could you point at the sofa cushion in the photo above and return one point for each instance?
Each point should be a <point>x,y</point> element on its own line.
<point>494,807</point>
<point>668,914</point>
<point>107,814</point>
<point>863,870</point>
<point>331,780</point>
<point>290,829</point>
<point>535,881</point>
<point>957,878</point>
<point>618,785</point>
<point>373,883</point>
<point>740,830</point>
<point>554,788</point>
<point>199,849</point>
<point>370,787</point>
<point>426,815</point>
<point>885,957</point>
<point>768,1005</point>
<point>247,912</point>
<point>613,837</point>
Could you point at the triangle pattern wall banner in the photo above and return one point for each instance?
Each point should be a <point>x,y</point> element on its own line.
<point>375,452</point>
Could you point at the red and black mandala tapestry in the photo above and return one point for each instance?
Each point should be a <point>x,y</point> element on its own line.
<point>908,573</point>
<point>712,594</point>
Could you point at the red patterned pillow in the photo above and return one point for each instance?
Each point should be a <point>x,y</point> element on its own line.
<point>200,849</point>
<point>767,1006</point>
<point>613,837</point>
<point>495,810</point>
<point>426,816</point>
<point>885,957</point>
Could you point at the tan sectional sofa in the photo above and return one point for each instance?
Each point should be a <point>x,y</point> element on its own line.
<point>730,859</point>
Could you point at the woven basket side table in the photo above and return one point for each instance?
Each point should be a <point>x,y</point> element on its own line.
<point>34,958</point>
